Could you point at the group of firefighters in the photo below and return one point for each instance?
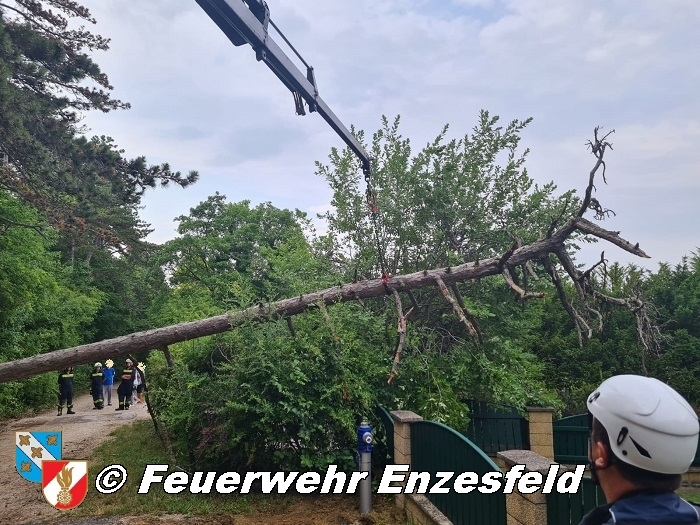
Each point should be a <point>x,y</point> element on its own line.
<point>131,378</point>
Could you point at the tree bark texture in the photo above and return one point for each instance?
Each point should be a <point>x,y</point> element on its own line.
<point>161,337</point>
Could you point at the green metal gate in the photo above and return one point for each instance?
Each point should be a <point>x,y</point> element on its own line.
<point>571,440</point>
<point>438,448</point>
<point>494,429</point>
<point>568,509</point>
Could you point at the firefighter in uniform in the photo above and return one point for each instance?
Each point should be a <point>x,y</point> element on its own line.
<point>126,385</point>
<point>97,379</point>
<point>65,390</point>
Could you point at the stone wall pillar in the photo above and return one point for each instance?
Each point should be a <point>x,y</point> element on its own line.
<point>541,431</point>
<point>527,509</point>
<point>402,442</point>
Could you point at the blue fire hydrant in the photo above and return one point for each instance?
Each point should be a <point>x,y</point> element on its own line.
<point>364,449</point>
<point>364,437</point>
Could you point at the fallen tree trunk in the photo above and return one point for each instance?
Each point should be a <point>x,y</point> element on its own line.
<point>543,252</point>
<point>160,337</point>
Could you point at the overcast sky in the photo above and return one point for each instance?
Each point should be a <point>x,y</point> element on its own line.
<point>198,102</point>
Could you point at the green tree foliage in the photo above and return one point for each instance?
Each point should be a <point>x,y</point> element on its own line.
<point>236,252</point>
<point>454,201</point>
<point>278,396</point>
<point>262,396</point>
<point>676,294</point>
<point>41,309</point>
<point>64,196</point>
<point>575,371</point>
<point>84,187</point>
<point>130,285</point>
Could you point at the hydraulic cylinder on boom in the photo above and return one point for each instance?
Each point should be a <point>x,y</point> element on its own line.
<point>247,22</point>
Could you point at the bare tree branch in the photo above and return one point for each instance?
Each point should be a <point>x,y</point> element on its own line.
<point>531,271</point>
<point>579,323</point>
<point>466,311</point>
<point>37,228</point>
<point>456,308</point>
<point>613,237</point>
<point>329,322</point>
<point>507,255</point>
<point>555,222</point>
<point>412,297</point>
<point>168,356</point>
<point>290,325</point>
<point>581,284</point>
<point>522,294</point>
<point>401,329</point>
<point>648,332</point>
<point>598,147</point>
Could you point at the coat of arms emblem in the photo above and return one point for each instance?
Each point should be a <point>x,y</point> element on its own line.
<point>64,483</point>
<point>32,449</point>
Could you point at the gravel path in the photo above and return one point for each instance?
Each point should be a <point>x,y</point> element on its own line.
<point>22,502</point>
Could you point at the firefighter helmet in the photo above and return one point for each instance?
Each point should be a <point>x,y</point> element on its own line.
<point>649,424</point>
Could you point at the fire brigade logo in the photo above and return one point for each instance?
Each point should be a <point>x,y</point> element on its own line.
<point>64,483</point>
<point>34,448</point>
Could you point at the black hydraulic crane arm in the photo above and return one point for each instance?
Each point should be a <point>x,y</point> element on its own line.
<point>246,22</point>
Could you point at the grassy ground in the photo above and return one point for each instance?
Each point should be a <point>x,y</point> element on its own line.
<point>691,494</point>
<point>134,446</point>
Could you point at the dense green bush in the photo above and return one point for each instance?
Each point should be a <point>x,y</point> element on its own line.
<point>270,400</point>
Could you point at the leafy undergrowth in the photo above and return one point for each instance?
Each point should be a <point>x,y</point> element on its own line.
<point>135,446</point>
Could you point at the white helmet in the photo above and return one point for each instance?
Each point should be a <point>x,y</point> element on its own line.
<point>129,361</point>
<point>98,364</point>
<point>649,424</point>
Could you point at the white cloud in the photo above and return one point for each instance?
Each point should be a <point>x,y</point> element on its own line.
<point>201,103</point>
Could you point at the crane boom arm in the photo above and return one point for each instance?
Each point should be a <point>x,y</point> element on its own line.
<point>246,22</point>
